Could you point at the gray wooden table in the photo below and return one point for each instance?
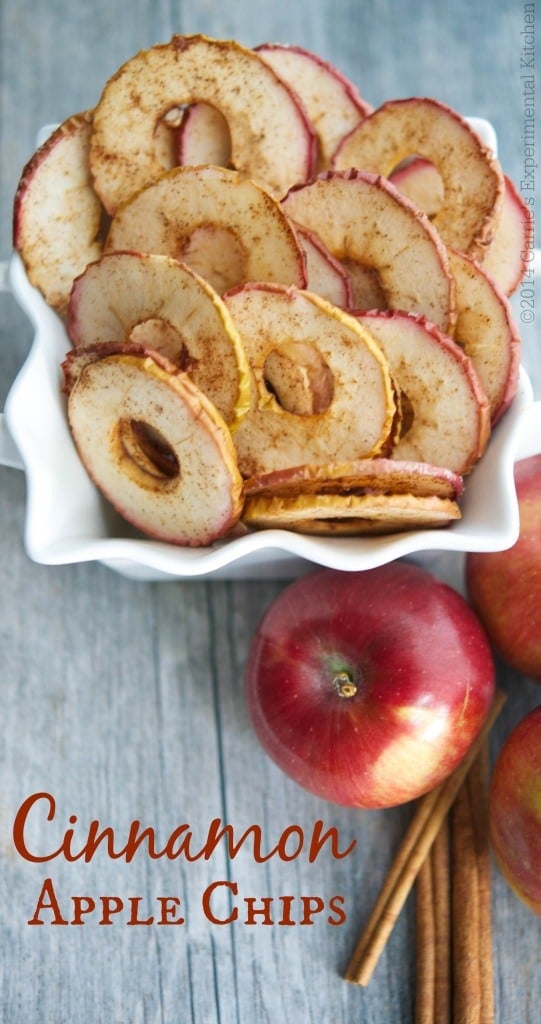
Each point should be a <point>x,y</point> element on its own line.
<point>124,699</point>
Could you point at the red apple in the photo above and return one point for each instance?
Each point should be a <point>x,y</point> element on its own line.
<point>515,810</point>
<point>368,688</point>
<point>505,586</point>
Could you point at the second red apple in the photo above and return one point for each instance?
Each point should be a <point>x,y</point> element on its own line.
<point>505,586</point>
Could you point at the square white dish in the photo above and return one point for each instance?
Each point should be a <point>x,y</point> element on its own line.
<point>67,520</point>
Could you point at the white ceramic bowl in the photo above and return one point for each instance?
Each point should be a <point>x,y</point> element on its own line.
<point>68,521</point>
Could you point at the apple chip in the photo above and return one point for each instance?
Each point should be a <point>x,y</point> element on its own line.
<point>472,177</point>
<point>57,216</point>
<point>214,220</point>
<point>349,515</point>
<point>155,447</point>
<point>365,222</point>
<point>487,332</point>
<point>356,412</point>
<point>445,412</point>
<point>333,104</point>
<point>374,476</point>
<point>127,296</point>
<point>271,137</point>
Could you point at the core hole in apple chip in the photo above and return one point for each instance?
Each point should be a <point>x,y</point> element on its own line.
<point>144,451</point>
<point>407,414</point>
<point>160,334</point>
<point>299,379</point>
<point>326,275</point>
<point>215,252</point>
<point>367,288</point>
<point>203,136</point>
<point>166,137</point>
<point>419,180</point>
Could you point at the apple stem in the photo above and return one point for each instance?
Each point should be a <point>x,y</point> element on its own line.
<point>344,685</point>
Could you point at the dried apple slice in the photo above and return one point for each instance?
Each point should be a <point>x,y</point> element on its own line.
<point>472,177</point>
<point>350,514</point>
<point>487,332</point>
<point>360,410</point>
<point>271,137</point>
<point>333,103</point>
<point>374,476</point>
<point>142,297</point>
<point>155,447</point>
<point>57,216</point>
<point>214,220</point>
<point>365,222</point>
<point>446,415</point>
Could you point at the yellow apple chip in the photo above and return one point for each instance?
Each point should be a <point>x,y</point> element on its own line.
<point>350,514</point>
<point>321,387</point>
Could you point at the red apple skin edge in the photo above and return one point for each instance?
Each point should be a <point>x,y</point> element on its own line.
<point>515,810</point>
<point>369,688</point>
<point>504,587</point>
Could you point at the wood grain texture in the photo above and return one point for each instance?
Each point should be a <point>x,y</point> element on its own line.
<point>124,700</point>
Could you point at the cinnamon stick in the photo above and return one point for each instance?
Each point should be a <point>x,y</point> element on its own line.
<point>473,992</point>
<point>478,781</point>
<point>433,934</point>
<point>388,906</point>
<point>466,975</point>
<point>441,860</point>
<point>453,925</point>
<point>424,827</point>
<point>425,941</point>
